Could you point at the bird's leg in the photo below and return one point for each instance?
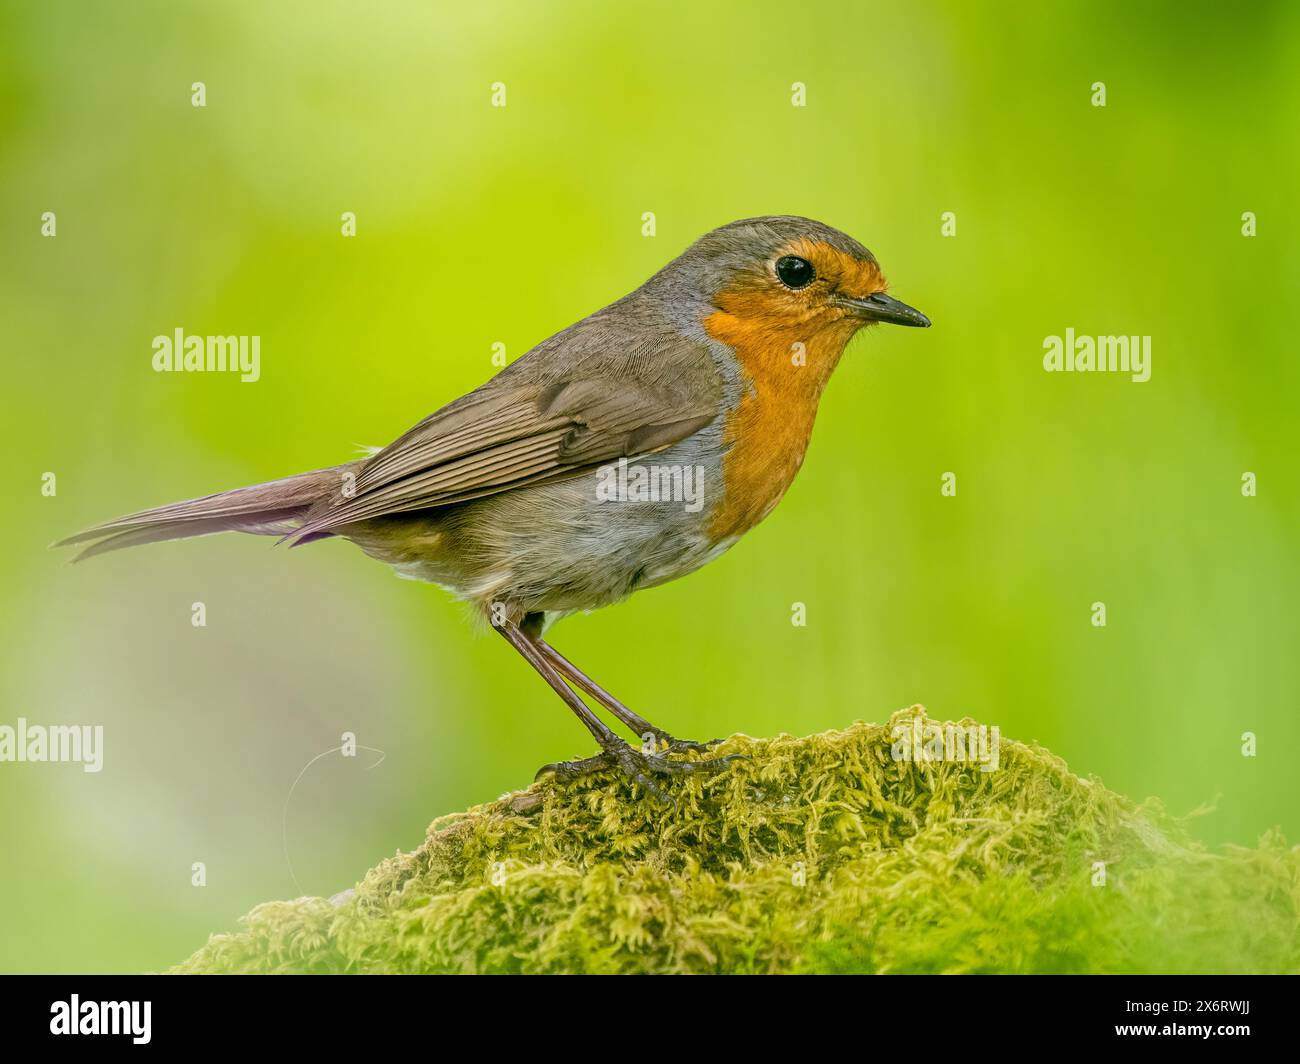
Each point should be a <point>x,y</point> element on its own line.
<point>614,752</point>
<point>636,723</point>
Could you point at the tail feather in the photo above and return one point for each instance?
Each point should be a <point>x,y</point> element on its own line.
<point>270,509</point>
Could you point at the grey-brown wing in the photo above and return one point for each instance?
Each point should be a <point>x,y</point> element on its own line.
<point>507,435</point>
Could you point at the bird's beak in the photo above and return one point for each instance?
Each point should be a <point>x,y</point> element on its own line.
<point>880,307</point>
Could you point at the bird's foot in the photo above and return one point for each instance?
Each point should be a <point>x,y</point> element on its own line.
<point>639,766</point>
<point>655,741</point>
<point>564,771</point>
<point>689,746</point>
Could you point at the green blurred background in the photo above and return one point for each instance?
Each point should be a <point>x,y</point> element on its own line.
<point>479,225</point>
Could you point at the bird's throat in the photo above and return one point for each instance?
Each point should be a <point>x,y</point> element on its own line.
<point>784,368</point>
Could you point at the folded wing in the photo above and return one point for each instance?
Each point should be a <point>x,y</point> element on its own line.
<point>507,435</point>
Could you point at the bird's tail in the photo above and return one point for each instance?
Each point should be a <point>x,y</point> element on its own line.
<point>270,509</point>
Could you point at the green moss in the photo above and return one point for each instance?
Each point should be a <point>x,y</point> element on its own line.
<point>821,854</point>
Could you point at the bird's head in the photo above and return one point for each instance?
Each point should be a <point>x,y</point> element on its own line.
<point>786,273</point>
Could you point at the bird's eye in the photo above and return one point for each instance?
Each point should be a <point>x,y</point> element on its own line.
<point>794,272</point>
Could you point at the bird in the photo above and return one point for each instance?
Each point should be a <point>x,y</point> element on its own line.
<point>627,450</point>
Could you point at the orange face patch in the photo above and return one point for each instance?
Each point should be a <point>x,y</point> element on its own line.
<point>845,273</point>
<point>788,343</point>
<point>763,301</point>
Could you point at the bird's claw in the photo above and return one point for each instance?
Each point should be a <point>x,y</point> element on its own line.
<point>655,741</point>
<point>689,746</point>
<point>639,766</point>
<point>572,770</point>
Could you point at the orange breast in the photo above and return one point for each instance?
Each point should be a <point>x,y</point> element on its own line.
<point>785,365</point>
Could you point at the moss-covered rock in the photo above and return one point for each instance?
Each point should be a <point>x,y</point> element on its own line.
<point>822,854</point>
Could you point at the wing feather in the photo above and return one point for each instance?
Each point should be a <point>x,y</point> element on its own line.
<point>507,435</point>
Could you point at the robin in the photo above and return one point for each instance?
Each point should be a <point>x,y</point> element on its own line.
<point>625,451</point>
